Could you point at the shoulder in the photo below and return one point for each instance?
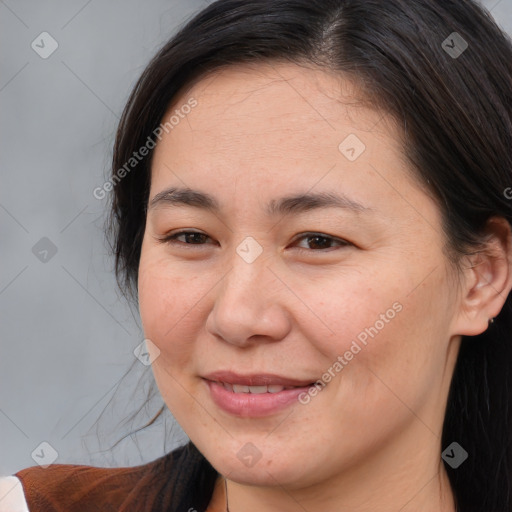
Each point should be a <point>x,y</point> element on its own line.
<point>67,487</point>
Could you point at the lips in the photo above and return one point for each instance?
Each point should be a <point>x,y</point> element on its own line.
<point>256,395</point>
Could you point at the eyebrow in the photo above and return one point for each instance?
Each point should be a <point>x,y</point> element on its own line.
<point>297,203</point>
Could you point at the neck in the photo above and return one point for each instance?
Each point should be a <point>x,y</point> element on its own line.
<point>435,496</point>
<point>405,479</point>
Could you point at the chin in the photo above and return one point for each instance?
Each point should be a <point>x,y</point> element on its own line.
<point>261,475</point>
<point>269,470</point>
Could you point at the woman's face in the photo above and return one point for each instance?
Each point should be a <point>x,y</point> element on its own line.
<point>346,285</point>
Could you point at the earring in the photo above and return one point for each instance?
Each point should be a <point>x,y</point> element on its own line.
<point>491,321</point>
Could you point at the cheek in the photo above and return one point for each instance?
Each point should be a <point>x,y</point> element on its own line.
<point>378,337</point>
<point>338,313</point>
<point>170,307</point>
<point>170,310</point>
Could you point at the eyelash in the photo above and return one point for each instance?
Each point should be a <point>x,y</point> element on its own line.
<point>172,239</point>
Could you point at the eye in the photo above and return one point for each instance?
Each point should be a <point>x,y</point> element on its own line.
<point>187,238</point>
<point>320,241</point>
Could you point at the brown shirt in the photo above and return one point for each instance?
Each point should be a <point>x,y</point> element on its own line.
<point>79,488</point>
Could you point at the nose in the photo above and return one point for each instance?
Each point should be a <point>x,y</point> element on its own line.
<point>249,305</point>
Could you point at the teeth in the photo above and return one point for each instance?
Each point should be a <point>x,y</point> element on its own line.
<point>257,389</point>
<point>239,388</point>
<point>275,388</point>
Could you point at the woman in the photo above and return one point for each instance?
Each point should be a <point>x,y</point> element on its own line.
<point>311,203</point>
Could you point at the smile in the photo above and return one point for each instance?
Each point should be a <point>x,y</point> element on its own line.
<point>253,398</point>
<point>256,390</point>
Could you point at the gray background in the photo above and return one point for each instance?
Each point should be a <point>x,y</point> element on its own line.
<point>66,335</point>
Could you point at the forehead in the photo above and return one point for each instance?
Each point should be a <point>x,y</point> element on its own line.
<point>286,85</point>
<point>279,111</point>
<point>278,126</point>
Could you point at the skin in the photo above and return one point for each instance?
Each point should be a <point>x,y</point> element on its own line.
<point>369,440</point>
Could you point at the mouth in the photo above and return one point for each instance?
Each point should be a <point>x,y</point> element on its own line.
<point>254,395</point>
<point>256,390</point>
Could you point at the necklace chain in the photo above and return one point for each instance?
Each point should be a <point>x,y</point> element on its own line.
<point>226,489</point>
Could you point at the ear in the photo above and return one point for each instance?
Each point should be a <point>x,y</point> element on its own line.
<point>487,280</point>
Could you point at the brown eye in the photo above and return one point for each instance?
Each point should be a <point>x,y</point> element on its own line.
<point>187,238</point>
<point>316,241</point>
